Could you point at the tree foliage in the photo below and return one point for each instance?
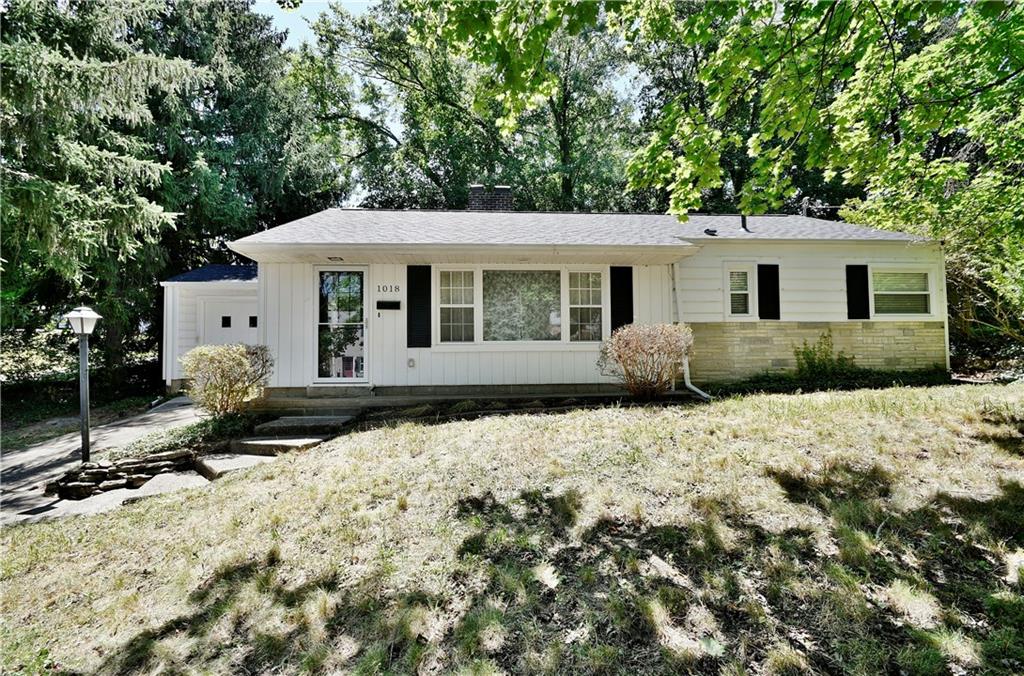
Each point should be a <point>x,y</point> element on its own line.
<point>78,172</point>
<point>242,153</point>
<point>139,137</point>
<point>918,104</point>
<point>420,124</point>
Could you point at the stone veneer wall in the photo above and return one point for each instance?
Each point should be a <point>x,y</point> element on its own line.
<point>725,351</point>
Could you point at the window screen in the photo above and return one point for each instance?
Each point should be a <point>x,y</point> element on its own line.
<point>457,312</point>
<point>900,293</point>
<point>739,292</point>
<point>584,306</point>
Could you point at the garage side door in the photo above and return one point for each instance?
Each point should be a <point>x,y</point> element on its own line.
<point>228,322</point>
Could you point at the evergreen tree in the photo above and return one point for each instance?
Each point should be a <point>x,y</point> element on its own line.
<point>139,137</point>
<point>78,173</point>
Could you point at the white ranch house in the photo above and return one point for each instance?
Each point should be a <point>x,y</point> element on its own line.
<point>360,301</point>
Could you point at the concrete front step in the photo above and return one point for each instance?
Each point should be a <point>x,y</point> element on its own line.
<point>274,445</point>
<point>305,425</point>
<point>309,407</point>
<point>215,466</point>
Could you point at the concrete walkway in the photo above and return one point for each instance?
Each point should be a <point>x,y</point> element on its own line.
<point>24,472</point>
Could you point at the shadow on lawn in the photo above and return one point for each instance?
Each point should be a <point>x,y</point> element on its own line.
<point>1009,434</point>
<point>228,628</point>
<point>912,592</point>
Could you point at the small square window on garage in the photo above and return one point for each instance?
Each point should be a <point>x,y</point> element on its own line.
<point>253,321</point>
<point>225,322</point>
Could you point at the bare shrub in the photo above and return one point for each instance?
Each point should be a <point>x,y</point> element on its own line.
<point>222,378</point>
<point>646,358</point>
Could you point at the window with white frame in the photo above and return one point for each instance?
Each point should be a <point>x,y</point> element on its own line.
<point>585,306</point>
<point>457,306</point>
<point>522,305</point>
<point>900,292</point>
<point>740,285</point>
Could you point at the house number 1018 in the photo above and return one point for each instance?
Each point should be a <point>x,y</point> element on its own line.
<point>388,288</point>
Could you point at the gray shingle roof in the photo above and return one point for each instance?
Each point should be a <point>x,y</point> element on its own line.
<point>370,226</point>
<point>218,273</point>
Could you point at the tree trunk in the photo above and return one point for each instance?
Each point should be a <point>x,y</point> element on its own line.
<point>112,348</point>
<point>559,106</point>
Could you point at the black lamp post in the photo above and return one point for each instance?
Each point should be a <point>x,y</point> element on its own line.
<point>82,320</point>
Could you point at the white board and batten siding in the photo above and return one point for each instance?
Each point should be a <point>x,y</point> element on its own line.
<point>287,294</point>
<point>812,276</point>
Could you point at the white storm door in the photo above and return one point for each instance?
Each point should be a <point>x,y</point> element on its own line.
<point>228,321</point>
<point>341,325</point>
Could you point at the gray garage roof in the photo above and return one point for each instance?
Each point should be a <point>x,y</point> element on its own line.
<point>381,227</point>
<point>218,273</point>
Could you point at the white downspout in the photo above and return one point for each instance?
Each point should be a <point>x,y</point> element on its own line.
<point>676,318</point>
<point>690,386</point>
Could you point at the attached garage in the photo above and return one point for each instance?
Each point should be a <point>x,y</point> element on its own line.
<point>213,305</point>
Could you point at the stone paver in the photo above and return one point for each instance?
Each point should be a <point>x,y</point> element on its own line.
<point>24,472</point>
<point>273,445</point>
<point>216,466</point>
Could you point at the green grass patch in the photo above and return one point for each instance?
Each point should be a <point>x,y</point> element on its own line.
<point>52,419</point>
<point>837,532</point>
<point>201,436</point>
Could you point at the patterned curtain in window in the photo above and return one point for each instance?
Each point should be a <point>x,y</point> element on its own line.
<point>522,305</point>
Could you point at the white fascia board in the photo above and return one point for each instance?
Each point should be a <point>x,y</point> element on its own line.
<point>430,253</point>
<point>808,240</point>
<point>224,283</point>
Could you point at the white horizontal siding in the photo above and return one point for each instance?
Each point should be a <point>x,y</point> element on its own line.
<point>181,316</point>
<point>812,280</point>
<point>812,276</point>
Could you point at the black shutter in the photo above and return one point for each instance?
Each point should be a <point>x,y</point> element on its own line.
<point>622,296</point>
<point>857,306</point>
<point>768,292</point>
<point>417,319</point>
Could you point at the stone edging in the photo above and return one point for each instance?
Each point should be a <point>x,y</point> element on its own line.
<point>91,478</point>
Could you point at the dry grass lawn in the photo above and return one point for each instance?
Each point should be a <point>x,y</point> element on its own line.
<point>856,532</point>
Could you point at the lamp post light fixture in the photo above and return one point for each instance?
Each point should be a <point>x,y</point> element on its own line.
<point>82,320</point>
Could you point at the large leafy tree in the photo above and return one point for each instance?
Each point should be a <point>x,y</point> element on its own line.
<point>916,103</point>
<point>420,124</point>
<point>671,71</point>
<point>575,144</point>
<point>404,114</point>
<point>243,156</point>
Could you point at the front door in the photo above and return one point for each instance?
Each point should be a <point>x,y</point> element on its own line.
<point>341,325</point>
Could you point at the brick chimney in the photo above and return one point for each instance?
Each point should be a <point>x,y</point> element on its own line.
<point>482,199</point>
